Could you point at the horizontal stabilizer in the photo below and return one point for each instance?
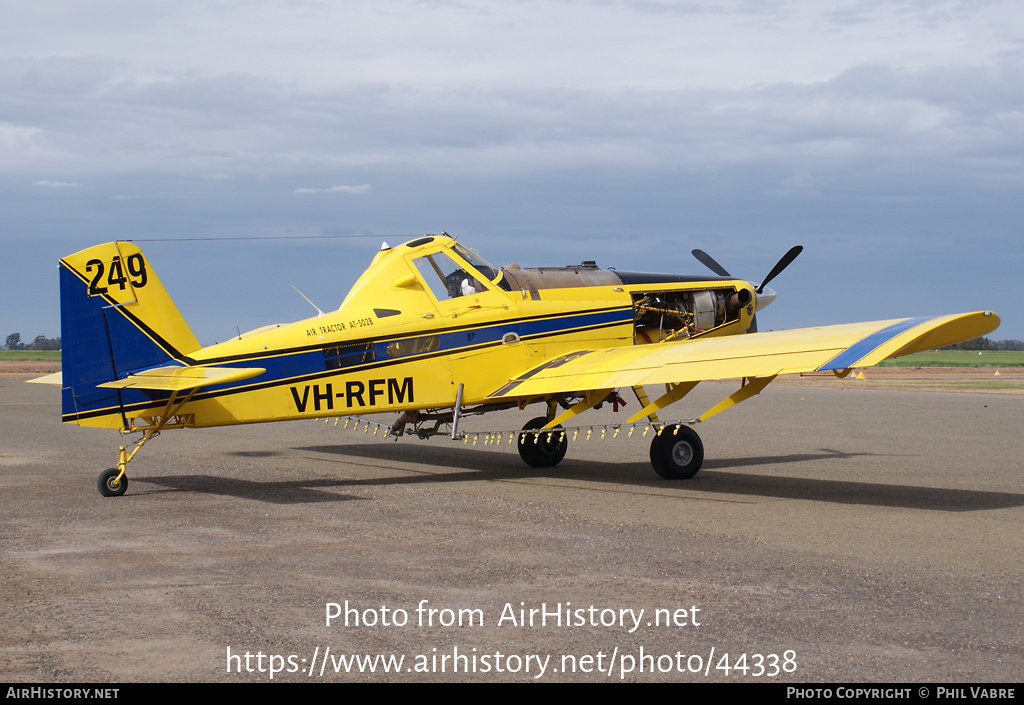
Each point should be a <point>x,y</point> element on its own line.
<point>175,378</point>
<point>56,378</point>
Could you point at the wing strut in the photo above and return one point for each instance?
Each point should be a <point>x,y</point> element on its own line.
<point>678,391</point>
<point>675,393</point>
<point>589,401</point>
<point>641,396</point>
<point>751,388</point>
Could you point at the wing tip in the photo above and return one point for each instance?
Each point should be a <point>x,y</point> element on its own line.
<point>56,378</point>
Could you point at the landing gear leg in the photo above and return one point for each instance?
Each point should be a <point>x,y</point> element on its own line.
<point>676,452</point>
<point>114,482</point>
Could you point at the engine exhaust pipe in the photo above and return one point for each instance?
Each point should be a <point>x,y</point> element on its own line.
<point>738,299</point>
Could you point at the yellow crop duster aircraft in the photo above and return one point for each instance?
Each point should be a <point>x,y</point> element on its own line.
<point>433,333</point>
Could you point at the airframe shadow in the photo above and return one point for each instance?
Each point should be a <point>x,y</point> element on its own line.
<point>290,492</point>
<point>714,479</point>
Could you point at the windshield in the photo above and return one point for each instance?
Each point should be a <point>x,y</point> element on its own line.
<point>446,278</point>
<point>490,273</point>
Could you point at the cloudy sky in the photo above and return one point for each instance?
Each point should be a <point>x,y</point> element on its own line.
<point>885,137</point>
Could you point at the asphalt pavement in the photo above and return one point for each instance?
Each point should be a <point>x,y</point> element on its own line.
<point>833,535</point>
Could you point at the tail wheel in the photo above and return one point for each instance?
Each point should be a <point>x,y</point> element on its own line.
<point>109,485</point>
<point>542,450</point>
<point>676,452</point>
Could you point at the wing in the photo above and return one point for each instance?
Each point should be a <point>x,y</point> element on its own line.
<point>176,378</point>
<point>760,355</point>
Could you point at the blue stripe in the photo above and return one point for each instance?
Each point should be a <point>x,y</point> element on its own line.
<point>309,363</point>
<point>850,356</point>
<point>452,341</point>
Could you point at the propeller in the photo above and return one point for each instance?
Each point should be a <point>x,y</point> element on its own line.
<point>787,259</point>
<point>709,262</point>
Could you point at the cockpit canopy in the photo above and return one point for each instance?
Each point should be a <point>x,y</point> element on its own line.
<point>448,277</point>
<point>446,268</point>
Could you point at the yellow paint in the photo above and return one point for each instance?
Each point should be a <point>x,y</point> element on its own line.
<point>393,306</point>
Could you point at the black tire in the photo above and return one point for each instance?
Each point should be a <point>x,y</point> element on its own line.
<point>677,453</point>
<point>544,450</point>
<point>106,486</point>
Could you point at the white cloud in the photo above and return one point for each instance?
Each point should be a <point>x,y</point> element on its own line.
<point>362,188</point>
<point>15,135</point>
<point>55,184</point>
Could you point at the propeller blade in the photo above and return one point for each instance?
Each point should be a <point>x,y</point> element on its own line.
<point>787,259</point>
<point>709,262</point>
<point>753,324</point>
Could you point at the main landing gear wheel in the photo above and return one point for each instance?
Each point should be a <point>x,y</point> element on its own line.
<point>676,452</point>
<point>109,485</point>
<point>542,450</point>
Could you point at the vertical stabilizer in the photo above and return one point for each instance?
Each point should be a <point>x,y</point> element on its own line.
<point>116,318</point>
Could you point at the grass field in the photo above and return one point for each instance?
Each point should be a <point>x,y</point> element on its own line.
<point>1005,384</point>
<point>30,355</point>
<point>958,358</point>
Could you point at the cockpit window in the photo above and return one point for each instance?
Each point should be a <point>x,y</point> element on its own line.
<point>490,273</point>
<point>446,278</point>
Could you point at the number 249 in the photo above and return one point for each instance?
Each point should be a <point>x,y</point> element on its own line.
<point>135,264</point>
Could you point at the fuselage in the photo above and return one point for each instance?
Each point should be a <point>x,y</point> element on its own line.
<point>402,340</point>
<point>424,318</point>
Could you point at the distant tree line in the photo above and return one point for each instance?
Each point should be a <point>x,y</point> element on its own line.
<point>40,343</point>
<point>986,344</point>
<point>43,343</point>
